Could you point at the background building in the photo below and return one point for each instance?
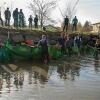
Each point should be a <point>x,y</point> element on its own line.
<point>96,27</point>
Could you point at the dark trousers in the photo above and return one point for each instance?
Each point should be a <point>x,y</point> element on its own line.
<point>30,25</point>
<point>21,23</point>
<point>16,23</point>
<point>36,25</point>
<point>1,21</point>
<point>65,28</point>
<point>7,22</point>
<point>45,56</point>
<point>74,28</point>
<point>63,50</point>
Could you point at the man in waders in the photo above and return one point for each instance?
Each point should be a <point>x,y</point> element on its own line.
<point>62,43</point>
<point>7,17</point>
<point>74,22</point>
<point>44,47</point>
<point>66,22</point>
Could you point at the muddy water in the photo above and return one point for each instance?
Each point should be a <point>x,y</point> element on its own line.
<point>62,80</point>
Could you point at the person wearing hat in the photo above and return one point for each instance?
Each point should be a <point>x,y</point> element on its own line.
<point>44,46</point>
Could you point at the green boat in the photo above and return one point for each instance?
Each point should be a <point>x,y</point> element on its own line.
<point>28,52</point>
<point>4,55</point>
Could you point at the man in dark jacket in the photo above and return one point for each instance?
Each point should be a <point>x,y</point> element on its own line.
<point>62,43</point>
<point>36,21</point>
<point>66,22</point>
<point>30,21</point>
<point>7,17</point>
<point>15,16</point>
<point>74,22</point>
<point>43,43</point>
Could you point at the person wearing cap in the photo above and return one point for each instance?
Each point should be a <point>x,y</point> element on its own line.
<point>7,17</point>
<point>43,43</point>
<point>66,22</point>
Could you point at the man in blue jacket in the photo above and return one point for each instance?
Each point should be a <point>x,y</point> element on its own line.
<point>74,22</point>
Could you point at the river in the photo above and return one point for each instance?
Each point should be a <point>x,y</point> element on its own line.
<point>71,79</point>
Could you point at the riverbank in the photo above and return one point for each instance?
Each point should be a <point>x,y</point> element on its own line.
<point>20,35</point>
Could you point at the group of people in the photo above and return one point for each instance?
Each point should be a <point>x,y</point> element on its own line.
<point>66,24</point>
<point>70,44</point>
<point>19,19</point>
<point>66,42</point>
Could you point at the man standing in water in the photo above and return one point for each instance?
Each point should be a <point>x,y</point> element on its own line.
<point>7,17</point>
<point>62,43</point>
<point>74,22</point>
<point>44,47</point>
<point>66,22</point>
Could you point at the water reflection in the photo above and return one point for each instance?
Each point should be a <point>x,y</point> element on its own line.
<point>42,82</point>
<point>68,71</point>
<point>15,80</point>
<point>97,64</point>
<point>38,74</point>
<point>18,80</point>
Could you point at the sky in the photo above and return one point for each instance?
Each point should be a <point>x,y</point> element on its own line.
<point>86,9</point>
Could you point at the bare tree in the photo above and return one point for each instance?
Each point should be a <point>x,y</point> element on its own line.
<point>79,27</point>
<point>70,9</point>
<point>42,8</point>
<point>87,27</point>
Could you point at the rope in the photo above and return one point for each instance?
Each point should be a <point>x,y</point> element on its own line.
<point>93,47</point>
